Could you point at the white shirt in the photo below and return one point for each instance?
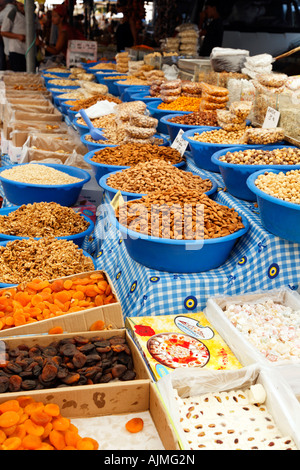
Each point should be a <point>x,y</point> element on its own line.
<point>3,15</point>
<point>17,26</point>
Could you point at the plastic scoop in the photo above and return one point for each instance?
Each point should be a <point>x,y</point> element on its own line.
<point>96,134</point>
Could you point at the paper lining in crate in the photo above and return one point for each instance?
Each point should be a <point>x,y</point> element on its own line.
<point>266,332</point>
<point>188,340</point>
<point>252,408</point>
<point>110,314</point>
<point>101,412</point>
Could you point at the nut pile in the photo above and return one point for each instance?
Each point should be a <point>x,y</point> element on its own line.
<point>200,118</point>
<point>219,136</point>
<point>72,361</point>
<point>45,258</point>
<point>284,186</point>
<point>148,177</point>
<point>42,219</point>
<point>38,174</point>
<point>179,214</point>
<point>280,156</point>
<point>129,154</point>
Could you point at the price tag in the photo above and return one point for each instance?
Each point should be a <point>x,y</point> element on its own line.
<point>179,143</point>
<point>117,201</point>
<point>271,119</point>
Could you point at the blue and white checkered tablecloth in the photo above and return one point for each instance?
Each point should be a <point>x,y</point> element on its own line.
<point>259,261</point>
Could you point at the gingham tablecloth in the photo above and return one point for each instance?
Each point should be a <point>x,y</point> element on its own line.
<point>259,261</point>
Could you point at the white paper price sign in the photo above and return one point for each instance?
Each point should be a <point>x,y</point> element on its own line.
<point>179,143</point>
<point>271,119</point>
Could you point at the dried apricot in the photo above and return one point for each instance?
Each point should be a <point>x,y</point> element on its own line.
<point>9,418</point>
<point>134,425</point>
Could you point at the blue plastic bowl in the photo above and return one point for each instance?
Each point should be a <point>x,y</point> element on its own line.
<point>122,86</point>
<point>65,195</point>
<point>92,146</point>
<point>160,113</point>
<point>101,169</point>
<point>178,256</point>
<point>65,107</point>
<point>277,216</point>
<point>131,90</point>
<point>101,76</point>
<point>4,285</point>
<point>144,97</point>
<point>47,79</point>
<point>71,114</point>
<point>129,196</point>
<point>174,128</point>
<point>58,74</point>
<point>60,87</point>
<point>82,129</point>
<point>59,92</point>
<point>78,239</point>
<point>235,176</point>
<point>111,85</point>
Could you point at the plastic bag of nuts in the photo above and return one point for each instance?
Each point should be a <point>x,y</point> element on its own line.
<point>258,136</point>
<point>241,109</point>
<point>276,80</point>
<point>141,120</point>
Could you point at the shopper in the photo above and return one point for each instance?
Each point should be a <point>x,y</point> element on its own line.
<point>6,6</point>
<point>126,34</point>
<point>211,27</point>
<point>14,29</point>
<point>59,19</point>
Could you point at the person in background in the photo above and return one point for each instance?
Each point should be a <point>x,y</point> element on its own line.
<point>126,34</point>
<point>14,28</point>
<point>6,7</point>
<point>64,32</point>
<point>211,27</point>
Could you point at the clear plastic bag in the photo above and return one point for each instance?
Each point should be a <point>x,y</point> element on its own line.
<point>214,90</point>
<point>241,109</point>
<point>276,80</point>
<point>171,84</point>
<point>228,60</point>
<point>258,136</point>
<point>140,132</point>
<point>214,99</point>
<point>141,120</point>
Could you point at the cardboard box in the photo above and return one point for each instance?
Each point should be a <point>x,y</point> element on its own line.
<point>239,343</point>
<point>73,322</point>
<point>140,368</point>
<point>117,399</point>
<point>168,342</point>
<point>280,403</point>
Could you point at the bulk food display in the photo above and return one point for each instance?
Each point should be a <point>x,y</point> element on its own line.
<point>153,272</point>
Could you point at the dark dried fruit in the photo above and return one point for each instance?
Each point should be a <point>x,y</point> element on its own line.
<point>67,362</point>
<point>15,382</point>
<point>79,359</point>
<point>4,383</point>
<point>118,370</point>
<point>49,372</point>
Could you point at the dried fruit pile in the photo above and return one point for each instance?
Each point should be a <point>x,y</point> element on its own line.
<point>78,360</point>
<point>26,424</point>
<point>39,300</point>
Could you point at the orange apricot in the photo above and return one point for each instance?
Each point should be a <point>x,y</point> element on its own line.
<point>134,425</point>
